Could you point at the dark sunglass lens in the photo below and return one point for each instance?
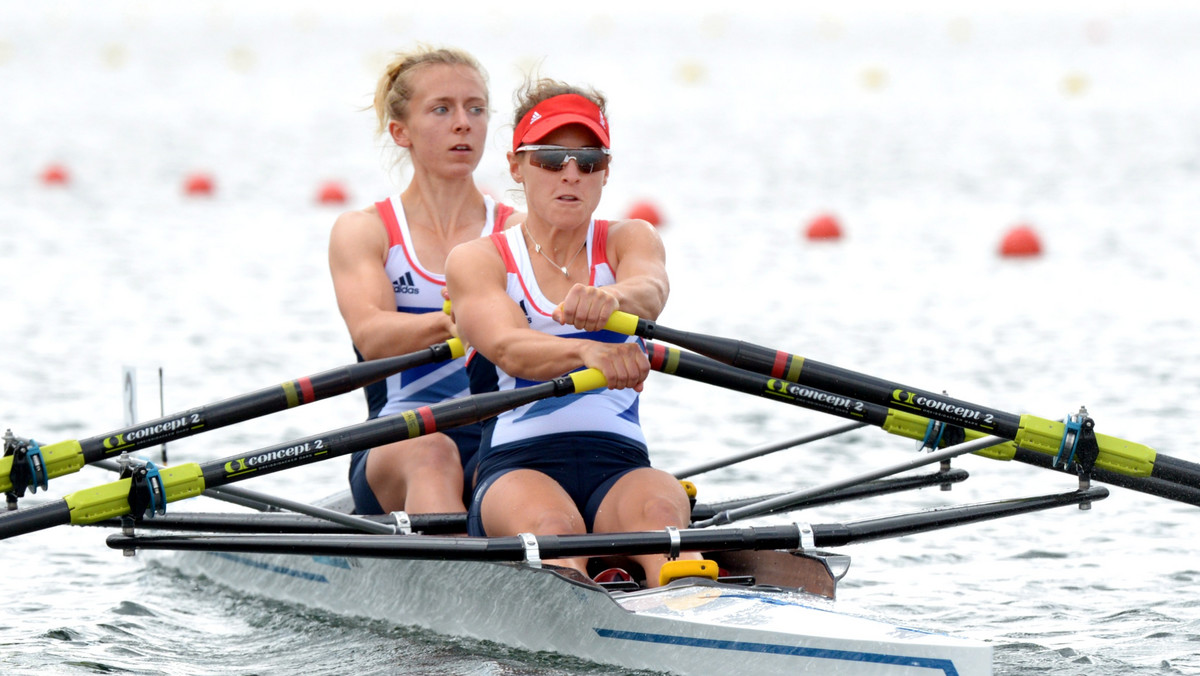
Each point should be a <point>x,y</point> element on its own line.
<point>554,160</point>
<point>591,160</point>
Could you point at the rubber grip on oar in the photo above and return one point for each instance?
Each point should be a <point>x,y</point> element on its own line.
<point>457,349</point>
<point>623,323</point>
<point>588,379</point>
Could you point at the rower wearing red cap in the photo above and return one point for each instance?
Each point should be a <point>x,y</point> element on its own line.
<point>532,302</point>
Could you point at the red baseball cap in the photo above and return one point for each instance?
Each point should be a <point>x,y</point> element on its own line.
<point>559,111</point>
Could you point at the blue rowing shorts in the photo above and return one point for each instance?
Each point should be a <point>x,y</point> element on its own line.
<point>586,465</point>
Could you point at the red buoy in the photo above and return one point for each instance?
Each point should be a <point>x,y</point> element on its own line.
<point>824,226</point>
<point>55,174</point>
<point>1021,241</point>
<point>645,211</point>
<point>198,184</point>
<point>331,192</point>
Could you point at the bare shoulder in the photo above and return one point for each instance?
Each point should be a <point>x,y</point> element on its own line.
<point>358,230</point>
<point>634,235</point>
<point>473,256</point>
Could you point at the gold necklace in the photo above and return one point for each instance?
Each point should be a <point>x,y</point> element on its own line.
<point>564,268</point>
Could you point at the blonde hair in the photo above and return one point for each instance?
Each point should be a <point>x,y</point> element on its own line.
<point>534,91</point>
<point>394,90</point>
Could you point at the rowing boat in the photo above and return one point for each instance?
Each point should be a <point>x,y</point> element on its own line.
<point>772,612</point>
<point>772,609</point>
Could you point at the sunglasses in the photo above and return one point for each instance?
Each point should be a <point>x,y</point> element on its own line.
<point>555,158</point>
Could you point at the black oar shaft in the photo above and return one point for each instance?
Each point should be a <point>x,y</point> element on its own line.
<point>1030,432</point>
<point>303,390</point>
<point>67,457</point>
<point>1170,477</point>
<point>190,480</point>
<point>796,369</point>
<point>406,425</point>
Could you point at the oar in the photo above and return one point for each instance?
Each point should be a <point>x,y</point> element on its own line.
<point>1041,435</point>
<point>529,547</point>
<point>33,466</point>
<point>189,480</point>
<point>263,502</point>
<point>702,369</point>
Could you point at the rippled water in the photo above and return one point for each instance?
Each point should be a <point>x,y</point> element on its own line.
<point>929,134</point>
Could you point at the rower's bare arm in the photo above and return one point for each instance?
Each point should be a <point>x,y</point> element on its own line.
<point>357,251</point>
<point>496,327</point>
<point>638,257</point>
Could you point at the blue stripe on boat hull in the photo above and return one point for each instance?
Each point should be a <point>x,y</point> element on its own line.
<point>283,570</point>
<point>944,666</point>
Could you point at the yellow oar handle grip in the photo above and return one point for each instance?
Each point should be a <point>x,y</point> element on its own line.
<point>623,323</point>
<point>457,349</point>
<point>446,306</point>
<point>588,379</point>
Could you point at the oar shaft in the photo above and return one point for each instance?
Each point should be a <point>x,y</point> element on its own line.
<point>67,457</point>
<point>190,480</point>
<point>796,369</point>
<point>303,390</point>
<point>1183,485</point>
<point>1027,431</point>
<point>389,429</point>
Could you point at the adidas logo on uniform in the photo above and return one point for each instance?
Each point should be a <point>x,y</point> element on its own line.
<point>404,284</point>
<point>535,117</point>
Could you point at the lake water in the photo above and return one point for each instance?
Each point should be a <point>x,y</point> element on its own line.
<point>929,133</point>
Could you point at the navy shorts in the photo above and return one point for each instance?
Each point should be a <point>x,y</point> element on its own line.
<point>465,437</point>
<point>586,465</point>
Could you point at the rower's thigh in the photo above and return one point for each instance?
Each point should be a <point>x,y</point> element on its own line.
<point>527,501</point>
<point>433,453</point>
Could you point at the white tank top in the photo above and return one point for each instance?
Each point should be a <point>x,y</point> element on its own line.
<point>608,411</point>
<point>418,290</point>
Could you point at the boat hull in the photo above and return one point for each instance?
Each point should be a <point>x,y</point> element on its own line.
<point>689,627</point>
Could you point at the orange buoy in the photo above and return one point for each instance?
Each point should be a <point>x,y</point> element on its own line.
<point>645,211</point>
<point>1021,241</point>
<point>824,226</point>
<point>55,174</point>
<point>198,184</point>
<point>331,192</point>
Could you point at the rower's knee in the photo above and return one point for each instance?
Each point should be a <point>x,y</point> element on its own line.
<point>556,522</point>
<point>661,511</point>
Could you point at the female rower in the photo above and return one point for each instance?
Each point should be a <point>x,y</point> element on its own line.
<point>388,263</point>
<point>532,303</point>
